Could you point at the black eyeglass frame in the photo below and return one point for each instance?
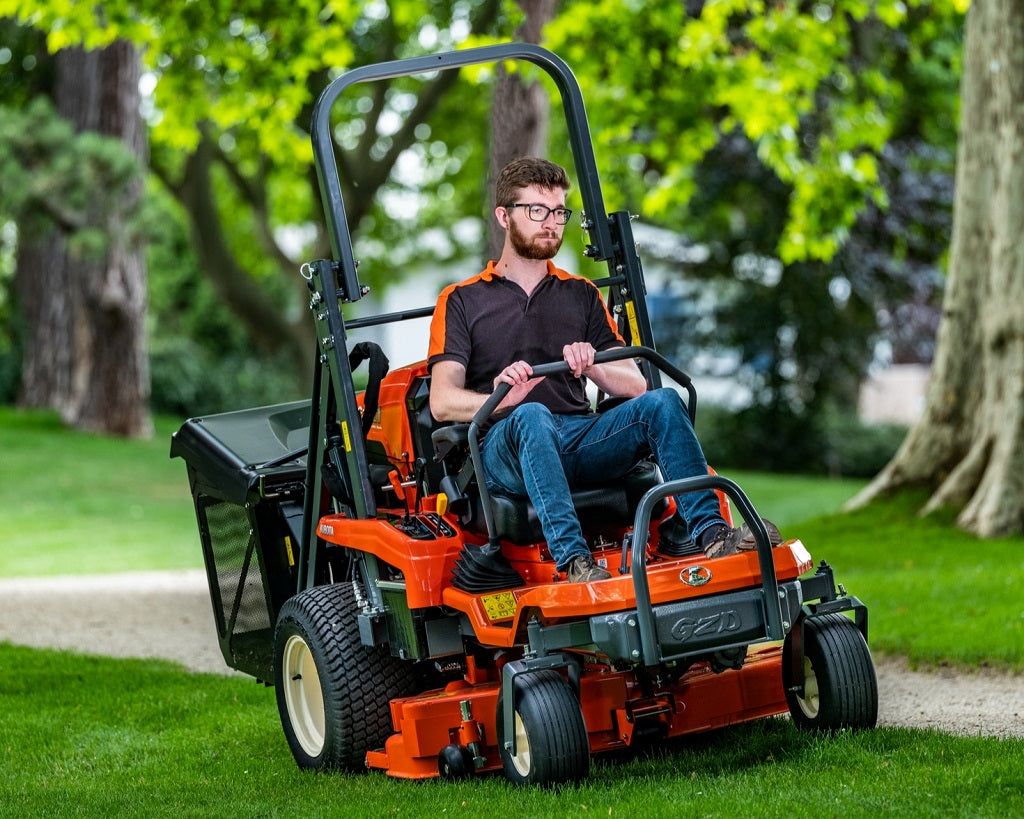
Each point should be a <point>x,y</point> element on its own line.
<point>548,212</point>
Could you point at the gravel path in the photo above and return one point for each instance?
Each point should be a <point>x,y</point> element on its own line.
<point>168,615</point>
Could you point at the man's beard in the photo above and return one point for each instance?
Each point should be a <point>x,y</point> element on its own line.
<point>533,249</point>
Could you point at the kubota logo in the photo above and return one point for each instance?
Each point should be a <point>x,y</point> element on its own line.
<point>695,575</point>
<point>687,628</point>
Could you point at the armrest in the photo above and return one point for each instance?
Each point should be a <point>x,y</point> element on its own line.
<point>446,439</point>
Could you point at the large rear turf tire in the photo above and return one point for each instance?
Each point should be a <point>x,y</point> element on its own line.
<point>332,691</point>
<point>551,745</point>
<point>840,687</point>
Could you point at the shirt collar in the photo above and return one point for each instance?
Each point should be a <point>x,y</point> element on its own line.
<point>491,272</point>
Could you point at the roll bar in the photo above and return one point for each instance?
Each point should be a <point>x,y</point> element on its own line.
<point>602,245</point>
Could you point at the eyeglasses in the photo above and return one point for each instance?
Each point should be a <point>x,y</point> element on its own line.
<point>538,213</point>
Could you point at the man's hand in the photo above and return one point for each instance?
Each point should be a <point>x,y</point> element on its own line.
<point>517,374</point>
<point>579,356</point>
<point>617,378</point>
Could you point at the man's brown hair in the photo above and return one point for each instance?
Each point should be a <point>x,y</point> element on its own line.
<point>525,171</point>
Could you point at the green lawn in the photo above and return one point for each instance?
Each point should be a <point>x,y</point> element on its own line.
<point>936,594</point>
<point>75,503</point>
<point>94,737</point>
<point>87,736</point>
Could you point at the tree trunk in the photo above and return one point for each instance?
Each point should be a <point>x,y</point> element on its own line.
<point>968,447</point>
<point>519,121</point>
<point>47,308</point>
<point>86,353</point>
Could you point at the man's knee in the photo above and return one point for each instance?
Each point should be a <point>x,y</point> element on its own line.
<point>532,412</point>
<point>531,420</point>
<point>664,404</point>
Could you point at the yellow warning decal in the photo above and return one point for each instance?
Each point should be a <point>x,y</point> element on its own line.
<point>634,328</point>
<point>344,432</point>
<point>500,606</point>
<point>288,548</point>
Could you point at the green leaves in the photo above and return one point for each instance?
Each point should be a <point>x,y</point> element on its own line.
<point>53,176</point>
<point>68,23</point>
<point>818,89</point>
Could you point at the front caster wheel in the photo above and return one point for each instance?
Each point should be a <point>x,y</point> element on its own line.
<point>551,742</point>
<point>840,687</point>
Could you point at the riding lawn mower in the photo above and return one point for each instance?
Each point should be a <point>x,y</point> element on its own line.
<point>415,623</point>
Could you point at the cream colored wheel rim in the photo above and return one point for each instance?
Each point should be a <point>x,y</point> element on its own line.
<point>521,760</point>
<point>810,702</point>
<point>303,696</point>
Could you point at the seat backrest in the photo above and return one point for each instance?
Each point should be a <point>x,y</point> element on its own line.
<point>400,430</point>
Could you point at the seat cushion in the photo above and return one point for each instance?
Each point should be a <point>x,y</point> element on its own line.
<point>598,507</point>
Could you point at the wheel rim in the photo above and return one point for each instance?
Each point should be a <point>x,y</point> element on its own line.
<point>521,759</point>
<point>302,695</point>
<point>810,702</point>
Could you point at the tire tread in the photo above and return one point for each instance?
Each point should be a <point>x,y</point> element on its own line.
<point>358,681</point>
<point>845,672</point>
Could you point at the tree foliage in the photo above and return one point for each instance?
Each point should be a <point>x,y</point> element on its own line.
<point>809,149</point>
<point>819,89</point>
<point>806,145</point>
<point>233,86</point>
<point>57,177</point>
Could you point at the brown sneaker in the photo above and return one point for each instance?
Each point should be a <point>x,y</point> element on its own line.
<point>584,569</point>
<point>726,541</point>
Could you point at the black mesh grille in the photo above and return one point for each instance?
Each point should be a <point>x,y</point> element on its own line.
<point>232,557</point>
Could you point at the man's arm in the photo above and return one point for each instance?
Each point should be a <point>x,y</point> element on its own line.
<point>451,401</point>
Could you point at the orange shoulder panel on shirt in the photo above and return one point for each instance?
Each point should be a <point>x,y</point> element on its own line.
<point>437,323</point>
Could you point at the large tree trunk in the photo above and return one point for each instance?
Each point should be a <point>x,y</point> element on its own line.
<point>47,308</point>
<point>519,121</point>
<point>86,353</point>
<point>968,447</point>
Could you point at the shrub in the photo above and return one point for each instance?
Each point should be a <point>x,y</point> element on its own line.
<point>835,444</point>
<point>189,380</point>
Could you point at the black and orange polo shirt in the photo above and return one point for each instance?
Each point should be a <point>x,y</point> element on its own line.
<point>487,322</point>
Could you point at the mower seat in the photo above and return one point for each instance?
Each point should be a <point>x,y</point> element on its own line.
<point>599,507</point>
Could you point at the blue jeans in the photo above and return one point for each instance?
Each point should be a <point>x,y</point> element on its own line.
<point>539,455</point>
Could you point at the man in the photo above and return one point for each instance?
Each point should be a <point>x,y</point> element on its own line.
<point>522,310</point>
